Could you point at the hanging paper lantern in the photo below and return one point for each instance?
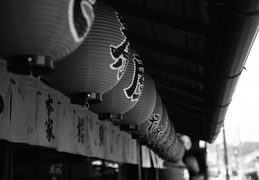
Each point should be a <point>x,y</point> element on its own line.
<point>98,64</point>
<point>159,143</point>
<point>151,128</point>
<point>123,97</point>
<point>36,33</point>
<point>186,140</point>
<point>192,164</point>
<point>144,107</point>
<point>168,145</point>
<point>175,152</point>
<point>165,128</point>
<point>170,139</point>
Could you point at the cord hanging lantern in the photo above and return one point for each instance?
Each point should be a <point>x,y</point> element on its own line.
<point>143,108</point>
<point>35,34</point>
<point>123,97</point>
<point>98,64</point>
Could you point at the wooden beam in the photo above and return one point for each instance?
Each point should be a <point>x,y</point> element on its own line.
<point>179,105</point>
<point>155,66</point>
<point>183,103</point>
<point>187,101</point>
<point>145,16</point>
<point>189,130</point>
<point>178,88</point>
<point>181,54</point>
<point>190,116</point>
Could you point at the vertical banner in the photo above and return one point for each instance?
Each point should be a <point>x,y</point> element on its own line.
<point>93,130</point>
<point>80,135</point>
<point>115,146</point>
<point>65,118</point>
<point>118,145</point>
<point>133,152</point>
<point>102,141</point>
<point>156,160</point>
<point>34,113</point>
<point>146,162</point>
<point>108,140</point>
<point>47,121</point>
<point>125,147</point>
<point>90,117</point>
<point>24,108</point>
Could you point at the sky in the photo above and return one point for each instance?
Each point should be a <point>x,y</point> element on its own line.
<point>242,118</point>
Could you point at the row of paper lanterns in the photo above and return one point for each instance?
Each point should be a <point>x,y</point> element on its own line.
<point>94,64</point>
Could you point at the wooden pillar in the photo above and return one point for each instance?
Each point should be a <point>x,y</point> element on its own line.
<point>140,161</point>
<point>156,173</point>
<point>225,152</point>
<point>6,160</point>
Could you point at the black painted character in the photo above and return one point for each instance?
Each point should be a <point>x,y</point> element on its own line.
<point>135,89</point>
<point>81,18</point>
<point>120,54</point>
<point>101,135</point>
<point>49,122</point>
<point>80,130</point>
<point>153,121</point>
<point>158,131</point>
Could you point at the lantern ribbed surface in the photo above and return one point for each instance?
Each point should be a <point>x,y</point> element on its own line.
<point>160,142</point>
<point>47,28</point>
<point>100,62</point>
<point>171,137</point>
<point>152,126</point>
<point>123,97</point>
<point>145,105</point>
<point>175,152</point>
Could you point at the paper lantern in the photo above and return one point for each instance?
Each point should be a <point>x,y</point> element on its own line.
<point>151,128</point>
<point>36,33</point>
<point>158,145</point>
<point>144,107</point>
<point>170,139</point>
<point>176,152</point>
<point>123,97</point>
<point>186,140</point>
<point>192,164</point>
<point>98,64</point>
<point>165,126</point>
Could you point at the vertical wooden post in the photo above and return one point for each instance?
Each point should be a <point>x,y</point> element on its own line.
<point>156,173</point>
<point>225,152</point>
<point>140,161</point>
<point>6,161</point>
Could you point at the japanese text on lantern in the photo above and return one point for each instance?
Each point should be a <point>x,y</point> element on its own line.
<point>153,121</point>
<point>135,89</point>
<point>158,131</point>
